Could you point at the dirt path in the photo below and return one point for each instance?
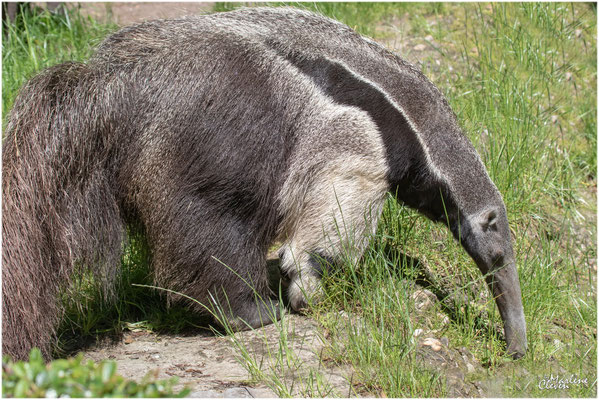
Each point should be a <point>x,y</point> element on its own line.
<point>133,12</point>
<point>294,364</point>
<point>211,367</point>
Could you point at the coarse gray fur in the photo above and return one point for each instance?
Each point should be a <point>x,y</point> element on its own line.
<point>220,134</point>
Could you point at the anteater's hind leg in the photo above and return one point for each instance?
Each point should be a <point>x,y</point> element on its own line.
<point>212,256</point>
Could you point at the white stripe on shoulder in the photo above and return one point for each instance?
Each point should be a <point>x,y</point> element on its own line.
<point>438,174</point>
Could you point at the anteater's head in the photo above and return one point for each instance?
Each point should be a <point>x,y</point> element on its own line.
<point>450,184</point>
<point>486,237</point>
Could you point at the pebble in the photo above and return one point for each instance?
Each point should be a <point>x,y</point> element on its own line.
<point>204,394</point>
<point>423,299</point>
<point>418,332</point>
<point>444,319</point>
<point>234,393</point>
<point>432,343</point>
<point>469,367</point>
<point>238,392</point>
<point>420,47</point>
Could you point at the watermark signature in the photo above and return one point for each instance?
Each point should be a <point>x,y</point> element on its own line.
<point>561,382</point>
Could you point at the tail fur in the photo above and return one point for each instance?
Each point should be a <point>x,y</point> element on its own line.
<point>60,206</point>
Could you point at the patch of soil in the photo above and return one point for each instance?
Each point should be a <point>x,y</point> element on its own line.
<point>210,365</point>
<point>128,13</point>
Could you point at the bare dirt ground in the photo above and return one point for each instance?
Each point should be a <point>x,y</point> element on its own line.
<point>206,363</point>
<point>128,13</point>
<point>210,364</point>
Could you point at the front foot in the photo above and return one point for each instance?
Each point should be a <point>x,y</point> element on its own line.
<point>304,291</point>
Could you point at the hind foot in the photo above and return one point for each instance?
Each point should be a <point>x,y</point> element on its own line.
<point>254,315</point>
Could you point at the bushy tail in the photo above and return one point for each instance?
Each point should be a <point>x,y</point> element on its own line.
<point>60,205</point>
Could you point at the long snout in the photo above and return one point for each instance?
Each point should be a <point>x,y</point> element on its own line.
<point>505,286</point>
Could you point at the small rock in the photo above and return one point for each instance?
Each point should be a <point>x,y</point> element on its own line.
<point>418,332</point>
<point>428,38</point>
<point>235,393</point>
<point>444,319</point>
<point>432,343</point>
<point>420,47</point>
<point>423,299</point>
<point>202,394</point>
<point>470,368</point>
<point>578,32</point>
<point>568,76</point>
<point>554,119</point>
<point>261,393</point>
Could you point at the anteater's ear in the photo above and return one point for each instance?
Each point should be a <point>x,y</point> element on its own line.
<point>488,220</point>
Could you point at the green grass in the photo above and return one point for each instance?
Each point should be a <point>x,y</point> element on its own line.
<point>522,80</point>
<point>529,83</point>
<point>37,40</point>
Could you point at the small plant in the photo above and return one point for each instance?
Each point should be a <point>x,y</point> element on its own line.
<point>75,378</point>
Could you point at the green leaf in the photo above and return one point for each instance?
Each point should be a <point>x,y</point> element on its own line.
<point>41,379</point>
<point>21,388</point>
<point>108,369</point>
<point>35,356</point>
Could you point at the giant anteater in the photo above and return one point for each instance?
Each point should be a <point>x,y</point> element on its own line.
<point>221,134</point>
